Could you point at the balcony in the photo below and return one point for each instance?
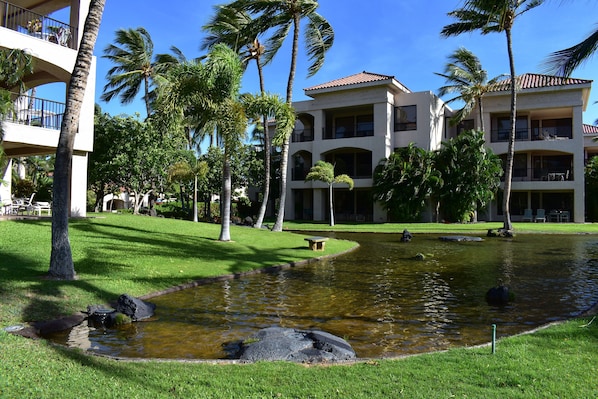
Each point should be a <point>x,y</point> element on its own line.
<point>36,25</point>
<point>37,112</point>
<point>302,135</point>
<point>541,174</point>
<point>527,134</point>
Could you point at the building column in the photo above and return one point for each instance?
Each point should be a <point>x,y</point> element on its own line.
<point>79,186</point>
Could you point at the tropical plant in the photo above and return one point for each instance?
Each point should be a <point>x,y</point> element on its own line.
<point>404,181</point>
<point>132,55</point>
<point>324,171</point>
<point>280,17</point>
<point>470,174</point>
<point>491,16</point>
<point>61,259</point>
<point>15,64</point>
<point>464,75</point>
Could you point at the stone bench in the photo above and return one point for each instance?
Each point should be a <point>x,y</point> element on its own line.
<point>317,243</point>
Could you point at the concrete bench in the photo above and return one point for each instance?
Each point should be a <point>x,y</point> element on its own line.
<point>317,243</point>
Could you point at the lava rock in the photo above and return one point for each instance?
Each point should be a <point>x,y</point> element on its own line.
<point>135,308</point>
<point>498,296</point>
<point>407,236</point>
<point>277,343</point>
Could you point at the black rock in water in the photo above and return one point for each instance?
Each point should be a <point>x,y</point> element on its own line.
<point>135,308</point>
<point>277,343</point>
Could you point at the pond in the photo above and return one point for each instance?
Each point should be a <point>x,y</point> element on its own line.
<point>379,298</point>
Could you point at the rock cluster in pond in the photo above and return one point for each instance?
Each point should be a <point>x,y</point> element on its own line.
<point>128,309</point>
<point>460,238</point>
<point>499,296</point>
<point>278,343</point>
<point>407,236</point>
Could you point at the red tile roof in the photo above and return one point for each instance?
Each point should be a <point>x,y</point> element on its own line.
<point>534,81</point>
<point>358,78</point>
<point>590,129</point>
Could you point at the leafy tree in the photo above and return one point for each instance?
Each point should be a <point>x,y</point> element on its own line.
<point>132,55</point>
<point>490,16</point>
<point>61,259</point>
<point>404,181</point>
<point>324,171</point>
<point>470,173</point>
<point>281,17</point>
<point>464,75</point>
<point>15,64</point>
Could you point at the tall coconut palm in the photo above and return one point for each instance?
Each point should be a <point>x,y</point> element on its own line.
<point>324,171</point>
<point>464,75</point>
<point>281,17</point>
<point>564,62</point>
<point>491,16</point>
<point>61,259</point>
<point>132,55</point>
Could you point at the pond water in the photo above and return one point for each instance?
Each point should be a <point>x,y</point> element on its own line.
<point>378,297</point>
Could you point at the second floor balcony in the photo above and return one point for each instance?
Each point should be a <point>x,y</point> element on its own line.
<point>36,25</point>
<point>546,130</point>
<point>38,112</point>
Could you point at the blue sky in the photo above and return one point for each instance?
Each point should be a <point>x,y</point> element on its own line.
<point>399,38</point>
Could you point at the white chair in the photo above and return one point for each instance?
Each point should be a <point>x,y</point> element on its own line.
<point>527,216</point>
<point>540,215</point>
<point>24,207</point>
<point>39,207</point>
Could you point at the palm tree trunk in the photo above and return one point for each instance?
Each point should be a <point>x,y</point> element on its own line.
<point>285,145</point>
<point>146,97</point>
<point>195,218</point>
<point>61,259</point>
<point>331,205</point>
<point>511,147</point>
<point>226,199</point>
<point>266,193</point>
<point>481,111</point>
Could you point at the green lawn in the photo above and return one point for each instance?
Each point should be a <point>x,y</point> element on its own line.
<point>139,255</point>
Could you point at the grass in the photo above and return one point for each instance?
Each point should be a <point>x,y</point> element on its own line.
<point>139,255</point>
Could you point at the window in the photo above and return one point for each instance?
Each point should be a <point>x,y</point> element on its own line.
<point>343,127</point>
<point>501,129</point>
<point>406,118</point>
<point>365,125</point>
<point>465,125</point>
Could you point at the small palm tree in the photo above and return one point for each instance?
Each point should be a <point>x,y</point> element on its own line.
<point>324,171</point>
<point>132,55</point>
<point>464,75</point>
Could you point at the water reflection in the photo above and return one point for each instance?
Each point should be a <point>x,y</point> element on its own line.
<point>379,298</point>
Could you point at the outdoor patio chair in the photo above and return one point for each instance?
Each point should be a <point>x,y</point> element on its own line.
<point>528,216</point>
<point>39,207</point>
<point>540,215</point>
<point>24,207</point>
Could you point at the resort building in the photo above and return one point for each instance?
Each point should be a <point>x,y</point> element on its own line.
<point>356,121</point>
<point>49,30</point>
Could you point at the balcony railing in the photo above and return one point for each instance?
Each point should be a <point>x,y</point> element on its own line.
<point>38,112</point>
<point>527,134</point>
<point>37,25</point>
<point>541,174</point>
<point>301,135</point>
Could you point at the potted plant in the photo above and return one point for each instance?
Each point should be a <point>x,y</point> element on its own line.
<point>34,25</point>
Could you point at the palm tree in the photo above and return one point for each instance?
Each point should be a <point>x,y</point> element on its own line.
<point>61,259</point>
<point>464,75</point>
<point>324,171</point>
<point>234,28</point>
<point>491,16</point>
<point>564,62</point>
<point>265,106</point>
<point>206,96</point>
<point>133,66</point>
<point>282,16</point>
